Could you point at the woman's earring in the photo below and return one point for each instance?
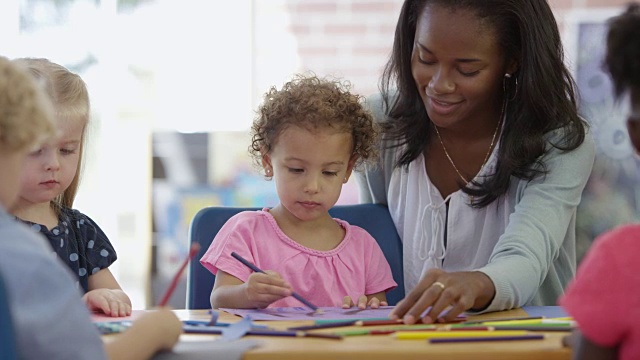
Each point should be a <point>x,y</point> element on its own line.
<point>504,86</point>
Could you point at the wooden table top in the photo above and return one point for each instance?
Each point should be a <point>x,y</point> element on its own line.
<point>387,347</point>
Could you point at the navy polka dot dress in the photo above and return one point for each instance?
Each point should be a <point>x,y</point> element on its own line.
<point>80,243</point>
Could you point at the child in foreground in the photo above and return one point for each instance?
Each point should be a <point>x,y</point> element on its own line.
<point>307,136</point>
<point>48,317</point>
<point>49,184</point>
<point>604,297</point>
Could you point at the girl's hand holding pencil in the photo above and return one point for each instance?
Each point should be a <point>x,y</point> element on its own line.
<point>263,288</point>
<point>257,270</point>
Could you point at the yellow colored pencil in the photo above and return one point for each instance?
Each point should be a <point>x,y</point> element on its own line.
<point>421,335</point>
<point>566,318</point>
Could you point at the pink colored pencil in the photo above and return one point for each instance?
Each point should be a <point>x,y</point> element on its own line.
<point>195,247</point>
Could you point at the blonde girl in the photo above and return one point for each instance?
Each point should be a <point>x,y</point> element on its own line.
<point>50,180</point>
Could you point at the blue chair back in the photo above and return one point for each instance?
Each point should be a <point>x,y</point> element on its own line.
<point>8,349</point>
<point>371,217</point>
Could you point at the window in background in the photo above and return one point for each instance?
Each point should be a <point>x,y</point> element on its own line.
<point>611,197</point>
<point>187,75</point>
<point>343,39</point>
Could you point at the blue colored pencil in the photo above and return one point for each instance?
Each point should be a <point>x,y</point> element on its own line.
<point>190,329</point>
<point>251,266</point>
<point>202,323</point>
<point>325,325</point>
<point>488,338</point>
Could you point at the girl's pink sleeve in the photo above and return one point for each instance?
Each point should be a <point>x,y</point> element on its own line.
<point>232,237</point>
<point>378,272</point>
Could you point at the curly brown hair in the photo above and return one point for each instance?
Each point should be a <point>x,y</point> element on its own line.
<point>313,103</point>
<point>623,49</point>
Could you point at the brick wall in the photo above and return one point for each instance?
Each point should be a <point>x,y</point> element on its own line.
<point>350,39</point>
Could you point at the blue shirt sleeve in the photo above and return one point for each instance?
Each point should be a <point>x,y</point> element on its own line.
<point>49,318</point>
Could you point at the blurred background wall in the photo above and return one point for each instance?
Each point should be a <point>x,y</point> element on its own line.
<point>174,85</point>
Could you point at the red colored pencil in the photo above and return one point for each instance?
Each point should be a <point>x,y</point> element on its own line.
<point>195,247</point>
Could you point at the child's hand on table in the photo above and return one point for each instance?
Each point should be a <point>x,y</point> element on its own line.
<point>152,332</point>
<point>108,301</point>
<point>162,325</point>
<point>363,302</point>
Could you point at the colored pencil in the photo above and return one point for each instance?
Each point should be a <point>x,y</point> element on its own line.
<point>388,331</point>
<point>488,338</point>
<point>355,332</point>
<point>529,322</point>
<point>202,323</point>
<point>418,335</point>
<point>195,247</point>
<point>399,326</point>
<point>197,329</point>
<point>343,323</point>
<point>393,329</point>
<point>251,266</point>
<point>320,336</point>
<point>259,332</point>
<point>333,321</point>
<point>328,325</point>
<point>381,332</point>
<point>378,322</point>
<point>414,327</point>
<point>503,319</point>
<point>269,332</point>
<point>536,328</point>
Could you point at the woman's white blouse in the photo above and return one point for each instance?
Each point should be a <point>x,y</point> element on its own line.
<point>411,195</point>
<point>524,241</point>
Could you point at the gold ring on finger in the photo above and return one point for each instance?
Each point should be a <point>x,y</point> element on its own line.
<point>439,284</point>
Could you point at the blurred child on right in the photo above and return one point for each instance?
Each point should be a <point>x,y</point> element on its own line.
<point>308,136</point>
<point>47,316</point>
<point>50,182</point>
<point>604,297</point>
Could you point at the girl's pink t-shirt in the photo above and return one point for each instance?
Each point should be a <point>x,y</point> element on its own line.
<point>604,297</point>
<point>355,267</point>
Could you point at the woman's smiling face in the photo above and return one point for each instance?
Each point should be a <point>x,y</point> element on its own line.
<point>458,66</point>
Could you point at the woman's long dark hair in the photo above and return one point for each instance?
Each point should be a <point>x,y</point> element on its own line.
<point>545,99</point>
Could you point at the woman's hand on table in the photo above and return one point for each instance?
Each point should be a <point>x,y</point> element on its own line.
<point>440,290</point>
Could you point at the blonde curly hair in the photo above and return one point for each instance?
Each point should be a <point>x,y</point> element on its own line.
<point>313,103</point>
<point>26,115</point>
